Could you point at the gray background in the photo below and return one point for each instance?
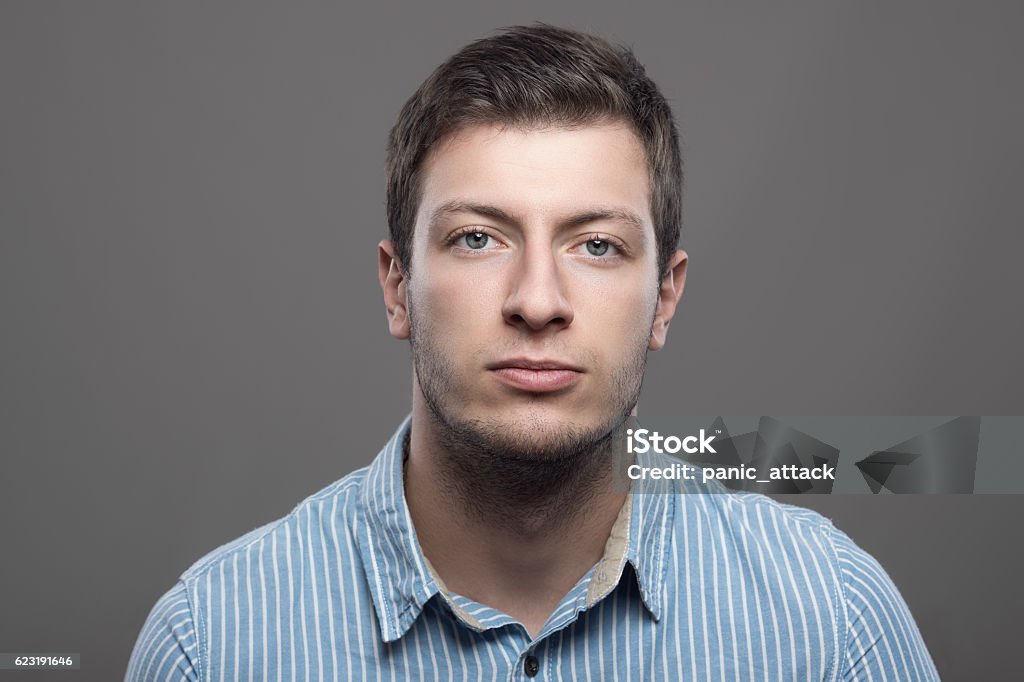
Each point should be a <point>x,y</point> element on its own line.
<point>193,338</point>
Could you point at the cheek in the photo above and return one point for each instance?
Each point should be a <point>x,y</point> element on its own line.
<point>622,304</point>
<point>455,306</point>
<point>616,319</point>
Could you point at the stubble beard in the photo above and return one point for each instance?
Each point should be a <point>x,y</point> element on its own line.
<point>528,474</point>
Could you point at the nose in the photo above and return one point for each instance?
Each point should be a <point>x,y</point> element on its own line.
<point>536,300</point>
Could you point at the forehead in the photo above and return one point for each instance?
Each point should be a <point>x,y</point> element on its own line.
<point>540,172</point>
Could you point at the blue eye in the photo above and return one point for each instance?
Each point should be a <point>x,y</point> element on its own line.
<point>476,240</point>
<point>597,247</point>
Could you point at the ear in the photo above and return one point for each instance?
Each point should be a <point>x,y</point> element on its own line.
<point>393,282</point>
<point>669,291</point>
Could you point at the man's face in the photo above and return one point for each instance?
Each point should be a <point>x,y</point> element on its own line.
<point>533,284</point>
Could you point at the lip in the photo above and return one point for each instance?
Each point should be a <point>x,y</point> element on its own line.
<point>536,375</point>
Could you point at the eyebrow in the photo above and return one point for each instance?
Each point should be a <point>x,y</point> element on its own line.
<point>456,206</point>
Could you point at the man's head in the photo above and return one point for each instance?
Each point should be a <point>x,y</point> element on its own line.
<point>534,186</point>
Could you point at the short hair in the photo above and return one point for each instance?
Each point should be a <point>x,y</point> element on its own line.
<point>530,76</point>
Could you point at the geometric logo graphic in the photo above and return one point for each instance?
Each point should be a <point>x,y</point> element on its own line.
<point>940,460</point>
<point>773,446</point>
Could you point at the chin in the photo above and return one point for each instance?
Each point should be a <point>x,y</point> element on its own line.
<point>531,419</point>
<point>537,434</point>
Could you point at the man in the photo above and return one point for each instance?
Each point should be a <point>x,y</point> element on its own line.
<point>534,187</point>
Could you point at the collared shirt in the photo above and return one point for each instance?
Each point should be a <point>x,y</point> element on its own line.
<point>691,586</point>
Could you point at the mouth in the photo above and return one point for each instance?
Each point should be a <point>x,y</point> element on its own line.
<point>536,375</point>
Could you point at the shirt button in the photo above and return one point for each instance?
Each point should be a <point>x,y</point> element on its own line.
<point>531,665</point>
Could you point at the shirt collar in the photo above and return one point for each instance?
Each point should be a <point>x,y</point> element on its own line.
<point>400,577</point>
<point>393,562</point>
<point>641,537</point>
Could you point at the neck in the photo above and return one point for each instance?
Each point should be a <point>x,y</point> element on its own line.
<point>512,533</point>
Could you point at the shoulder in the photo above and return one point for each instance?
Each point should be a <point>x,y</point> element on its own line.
<point>321,512</point>
<point>764,530</point>
<point>166,647</point>
<point>173,640</point>
<point>881,636</point>
<point>784,550</point>
<point>272,561</point>
<point>797,558</point>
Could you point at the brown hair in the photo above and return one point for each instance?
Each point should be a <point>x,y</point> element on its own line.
<point>526,76</point>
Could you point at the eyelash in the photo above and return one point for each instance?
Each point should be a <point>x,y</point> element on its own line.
<point>620,248</point>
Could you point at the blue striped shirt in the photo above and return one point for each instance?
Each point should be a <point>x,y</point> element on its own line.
<point>730,586</point>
